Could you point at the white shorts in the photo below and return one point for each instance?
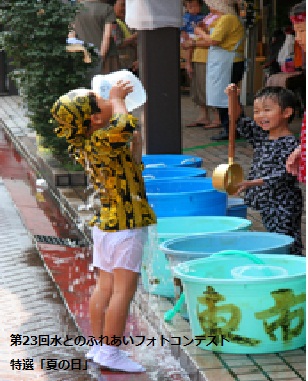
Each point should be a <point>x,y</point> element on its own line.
<point>122,249</point>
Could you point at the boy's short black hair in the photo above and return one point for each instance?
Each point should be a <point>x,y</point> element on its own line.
<point>298,8</point>
<point>93,103</point>
<point>284,97</point>
<point>198,1</point>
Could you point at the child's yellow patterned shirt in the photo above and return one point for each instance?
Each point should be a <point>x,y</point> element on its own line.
<point>117,179</point>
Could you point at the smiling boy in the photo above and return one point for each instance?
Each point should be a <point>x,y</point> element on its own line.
<point>269,188</point>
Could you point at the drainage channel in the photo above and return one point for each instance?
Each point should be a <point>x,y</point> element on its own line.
<point>51,240</point>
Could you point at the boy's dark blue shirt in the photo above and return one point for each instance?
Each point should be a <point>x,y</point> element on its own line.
<point>189,19</point>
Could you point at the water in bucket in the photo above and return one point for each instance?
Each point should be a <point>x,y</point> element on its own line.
<point>102,85</point>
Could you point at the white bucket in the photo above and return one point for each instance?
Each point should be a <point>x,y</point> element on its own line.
<point>102,84</point>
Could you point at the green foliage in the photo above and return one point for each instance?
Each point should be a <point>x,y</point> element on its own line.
<point>35,38</point>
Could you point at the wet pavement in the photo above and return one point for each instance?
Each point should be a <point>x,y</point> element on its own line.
<point>31,307</point>
<point>38,280</point>
<point>57,291</point>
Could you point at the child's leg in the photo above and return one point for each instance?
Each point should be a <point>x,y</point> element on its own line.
<point>124,288</point>
<point>99,301</point>
<point>124,250</point>
<point>125,284</point>
<point>279,220</point>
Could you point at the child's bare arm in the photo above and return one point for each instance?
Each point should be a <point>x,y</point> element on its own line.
<point>248,184</point>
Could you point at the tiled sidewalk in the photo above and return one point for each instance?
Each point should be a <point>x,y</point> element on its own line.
<point>201,365</point>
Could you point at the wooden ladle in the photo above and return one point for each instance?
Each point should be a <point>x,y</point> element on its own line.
<point>226,177</point>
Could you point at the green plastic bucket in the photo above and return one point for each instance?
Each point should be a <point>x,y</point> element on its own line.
<point>261,312</point>
<point>191,247</point>
<point>155,271</point>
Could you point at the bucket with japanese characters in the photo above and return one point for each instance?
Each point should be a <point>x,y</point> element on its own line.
<point>246,303</point>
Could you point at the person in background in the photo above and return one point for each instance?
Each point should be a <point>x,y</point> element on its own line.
<point>196,58</point>
<point>191,18</point>
<point>103,139</point>
<point>225,63</point>
<point>275,44</point>
<point>93,25</point>
<point>125,39</point>
<point>269,188</point>
<point>296,163</point>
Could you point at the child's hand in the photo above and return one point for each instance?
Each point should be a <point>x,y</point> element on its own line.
<point>229,90</point>
<point>232,87</point>
<point>184,35</point>
<point>198,31</point>
<point>248,184</point>
<point>242,187</point>
<point>120,90</point>
<point>187,44</point>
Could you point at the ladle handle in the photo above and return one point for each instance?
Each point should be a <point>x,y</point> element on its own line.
<point>239,253</point>
<point>232,99</point>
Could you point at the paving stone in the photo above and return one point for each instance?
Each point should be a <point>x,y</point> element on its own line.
<point>29,309</point>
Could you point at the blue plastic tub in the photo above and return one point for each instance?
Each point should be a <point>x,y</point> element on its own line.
<point>236,207</point>
<point>155,271</point>
<point>203,245</point>
<point>186,197</point>
<point>171,160</point>
<point>191,247</point>
<point>172,173</point>
<point>261,312</point>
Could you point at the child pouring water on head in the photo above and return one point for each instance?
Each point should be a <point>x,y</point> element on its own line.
<point>269,188</point>
<point>99,132</point>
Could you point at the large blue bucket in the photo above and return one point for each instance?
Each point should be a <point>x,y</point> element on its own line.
<point>248,305</point>
<point>155,271</point>
<point>191,247</point>
<point>172,173</point>
<point>186,197</point>
<point>236,207</point>
<point>171,160</point>
<point>203,245</point>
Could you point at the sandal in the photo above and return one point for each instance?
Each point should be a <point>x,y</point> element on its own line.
<point>209,126</point>
<point>195,124</point>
